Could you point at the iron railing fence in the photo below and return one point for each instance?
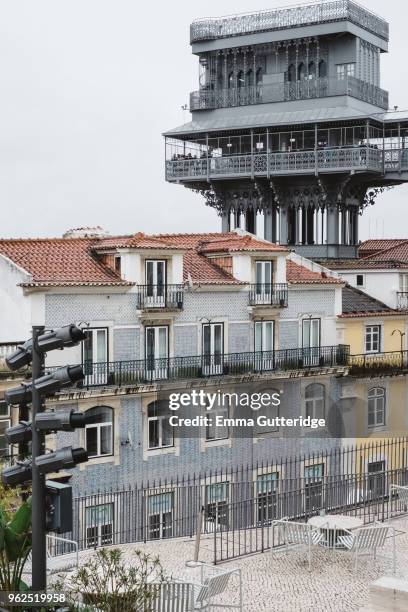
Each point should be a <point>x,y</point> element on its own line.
<point>321,87</point>
<point>166,508</point>
<point>160,296</point>
<point>268,294</point>
<point>288,17</point>
<point>402,300</point>
<point>372,364</point>
<point>258,164</point>
<point>121,373</point>
<point>247,526</point>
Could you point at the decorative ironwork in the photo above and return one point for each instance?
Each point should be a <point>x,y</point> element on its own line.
<point>275,294</point>
<point>292,17</point>
<point>153,297</point>
<point>121,373</point>
<point>402,300</point>
<point>378,364</point>
<point>206,99</point>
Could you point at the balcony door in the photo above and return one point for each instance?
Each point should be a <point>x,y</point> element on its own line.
<point>311,341</point>
<point>155,283</point>
<point>95,356</point>
<point>213,348</point>
<point>263,281</point>
<point>156,351</point>
<point>264,345</point>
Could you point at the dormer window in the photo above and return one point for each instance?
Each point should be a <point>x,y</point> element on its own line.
<point>263,273</point>
<point>118,264</point>
<point>156,280</point>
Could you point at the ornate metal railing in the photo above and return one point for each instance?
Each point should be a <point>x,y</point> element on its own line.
<point>281,92</point>
<point>402,300</point>
<point>120,373</point>
<point>340,158</point>
<point>378,363</point>
<point>269,294</point>
<point>290,17</point>
<point>160,296</point>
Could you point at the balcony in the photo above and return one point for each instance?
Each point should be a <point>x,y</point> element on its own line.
<point>334,159</point>
<point>285,92</point>
<point>402,300</point>
<point>275,294</point>
<point>291,17</point>
<point>122,373</point>
<point>379,364</point>
<point>160,297</point>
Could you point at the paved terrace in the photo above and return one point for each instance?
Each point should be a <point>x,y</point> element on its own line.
<point>282,583</point>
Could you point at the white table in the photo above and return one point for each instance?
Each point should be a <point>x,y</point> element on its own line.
<point>334,525</point>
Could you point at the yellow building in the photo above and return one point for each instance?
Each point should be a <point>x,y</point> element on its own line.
<point>377,386</point>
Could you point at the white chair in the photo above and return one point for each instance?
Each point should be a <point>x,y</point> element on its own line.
<point>366,541</point>
<point>295,535</point>
<point>400,493</point>
<point>214,582</point>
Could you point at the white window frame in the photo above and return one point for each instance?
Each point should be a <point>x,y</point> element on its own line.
<point>311,403</point>
<point>212,414</point>
<point>98,427</point>
<point>369,334</point>
<point>160,513</point>
<point>99,537</point>
<point>378,396</point>
<point>347,69</point>
<point>160,420</point>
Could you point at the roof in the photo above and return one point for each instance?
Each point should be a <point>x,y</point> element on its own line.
<point>59,261</point>
<point>356,303</point>
<point>362,264</point>
<point>297,274</point>
<point>373,245</point>
<point>394,253</point>
<point>78,261</point>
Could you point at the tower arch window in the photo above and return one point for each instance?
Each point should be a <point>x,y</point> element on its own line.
<point>231,80</point>
<point>259,76</point>
<point>291,73</point>
<point>376,406</point>
<point>99,431</point>
<point>249,78</point>
<point>322,69</point>
<point>240,79</point>
<point>315,401</point>
<point>312,70</point>
<point>301,71</point>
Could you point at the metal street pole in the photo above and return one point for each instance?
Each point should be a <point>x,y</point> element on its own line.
<point>38,514</point>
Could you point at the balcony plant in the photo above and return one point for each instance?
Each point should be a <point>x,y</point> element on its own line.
<point>15,539</point>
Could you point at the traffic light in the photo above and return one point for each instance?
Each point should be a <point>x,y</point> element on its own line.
<point>69,335</point>
<point>51,503</point>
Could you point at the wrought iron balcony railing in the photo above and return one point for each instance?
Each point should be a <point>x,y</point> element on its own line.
<point>332,159</point>
<point>290,17</point>
<point>275,294</point>
<point>402,300</point>
<point>120,373</point>
<point>283,92</point>
<point>160,296</point>
<point>378,363</point>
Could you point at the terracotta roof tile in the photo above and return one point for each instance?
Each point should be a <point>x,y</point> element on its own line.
<point>59,261</point>
<point>296,273</point>
<point>374,245</point>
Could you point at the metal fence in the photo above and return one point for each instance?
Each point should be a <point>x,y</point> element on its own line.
<point>344,478</point>
<point>247,525</point>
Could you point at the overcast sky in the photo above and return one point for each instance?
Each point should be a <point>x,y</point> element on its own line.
<point>87,88</point>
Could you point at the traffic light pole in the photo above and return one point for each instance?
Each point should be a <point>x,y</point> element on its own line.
<point>38,515</point>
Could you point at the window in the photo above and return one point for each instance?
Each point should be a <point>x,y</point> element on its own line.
<point>311,341</point>
<point>99,432</point>
<point>301,72</point>
<point>376,479</point>
<point>376,407</point>
<point>270,412</point>
<point>403,282</point>
<point>291,73</point>
<point>4,424</point>
<point>213,348</point>
<point>160,515</point>
<point>315,401</point>
<point>240,79</point>
<point>264,345</point>
<point>312,70</point>
<point>373,339</point>
<point>266,493</point>
<point>259,76</point>
<point>216,506</point>
<point>249,78</point>
<point>230,80</point>
<point>322,69</point>
<point>345,70</point>
<point>156,351</point>
<point>360,280</point>
<point>99,522</point>
<point>314,486</point>
<point>118,264</point>
<point>214,431</point>
<point>263,281</point>
<point>155,272</point>
<point>95,356</point>
<point>160,433</point>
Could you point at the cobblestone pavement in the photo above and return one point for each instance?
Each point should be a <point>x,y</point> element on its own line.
<point>279,582</point>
